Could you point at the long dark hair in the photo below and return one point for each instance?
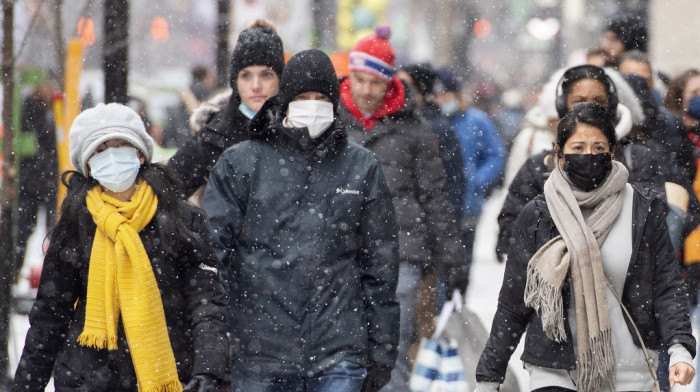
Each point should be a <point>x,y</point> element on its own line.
<point>172,230</point>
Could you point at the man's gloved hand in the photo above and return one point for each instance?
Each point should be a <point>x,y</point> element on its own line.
<point>377,377</point>
<point>202,383</point>
<point>457,278</point>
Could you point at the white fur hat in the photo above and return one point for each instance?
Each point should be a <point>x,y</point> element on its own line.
<point>95,126</point>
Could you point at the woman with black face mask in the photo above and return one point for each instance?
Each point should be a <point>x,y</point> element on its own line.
<point>594,281</point>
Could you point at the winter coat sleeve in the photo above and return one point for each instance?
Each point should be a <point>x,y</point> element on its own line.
<point>492,154</point>
<point>49,318</point>
<point>378,261</point>
<point>193,161</point>
<point>225,200</point>
<point>452,160</point>
<point>206,304</point>
<point>431,192</point>
<point>670,295</point>
<point>512,316</point>
<point>527,184</point>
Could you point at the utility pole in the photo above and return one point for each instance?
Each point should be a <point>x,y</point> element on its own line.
<point>224,7</point>
<point>115,62</point>
<point>7,263</point>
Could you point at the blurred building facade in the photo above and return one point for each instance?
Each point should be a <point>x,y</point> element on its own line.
<point>514,43</point>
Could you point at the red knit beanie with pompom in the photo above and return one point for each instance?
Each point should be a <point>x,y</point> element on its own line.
<point>374,54</point>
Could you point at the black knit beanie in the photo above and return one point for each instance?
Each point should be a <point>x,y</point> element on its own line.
<point>309,70</point>
<point>631,30</point>
<point>257,45</point>
<point>423,76</point>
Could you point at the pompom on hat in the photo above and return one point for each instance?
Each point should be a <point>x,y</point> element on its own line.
<point>374,54</point>
<point>97,125</point>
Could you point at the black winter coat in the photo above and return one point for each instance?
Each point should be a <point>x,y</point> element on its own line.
<point>223,128</point>
<point>193,301</point>
<point>644,167</point>
<point>653,292</point>
<point>407,152</point>
<point>305,233</point>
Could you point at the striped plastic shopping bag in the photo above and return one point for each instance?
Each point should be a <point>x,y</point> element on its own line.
<point>438,366</point>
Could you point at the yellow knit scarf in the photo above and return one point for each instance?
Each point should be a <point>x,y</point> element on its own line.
<point>121,280</point>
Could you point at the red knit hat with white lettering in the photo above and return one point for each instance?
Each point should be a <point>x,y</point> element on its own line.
<point>373,54</point>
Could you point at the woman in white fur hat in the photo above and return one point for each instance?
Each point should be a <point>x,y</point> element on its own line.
<point>129,297</point>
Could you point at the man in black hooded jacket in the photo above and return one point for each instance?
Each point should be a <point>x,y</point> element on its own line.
<point>305,232</point>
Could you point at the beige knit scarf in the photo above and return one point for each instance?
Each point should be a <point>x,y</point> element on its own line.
<point>577,250</point>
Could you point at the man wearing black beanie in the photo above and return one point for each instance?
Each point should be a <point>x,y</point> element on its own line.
<point>257,62</point>
<point>304,227</point>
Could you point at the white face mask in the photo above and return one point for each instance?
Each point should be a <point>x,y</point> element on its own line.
<point>115,168</point>
<point>316,116</point>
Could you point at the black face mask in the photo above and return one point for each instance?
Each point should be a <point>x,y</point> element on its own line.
<point>587,171</point>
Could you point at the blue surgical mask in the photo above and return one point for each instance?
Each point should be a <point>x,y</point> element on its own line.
<point>694,107</point>
<point>248,112</point>
<point>450,108</point>
<point>115,168</point>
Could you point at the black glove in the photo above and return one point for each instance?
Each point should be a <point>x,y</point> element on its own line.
<point>377,377</point>
<point>457,278</point>
<point>202,383</point>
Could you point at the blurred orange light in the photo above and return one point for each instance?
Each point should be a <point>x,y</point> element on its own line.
<point>482,28</point>
<point>86,31</point>
<point>159,30</point>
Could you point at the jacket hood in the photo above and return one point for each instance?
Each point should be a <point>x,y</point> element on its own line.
<point>207,109</point>
<point>536,118</point>
<point>624,122</point>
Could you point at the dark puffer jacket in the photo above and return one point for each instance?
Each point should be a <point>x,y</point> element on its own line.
<point>305,233</point>
<point>653,292</point>
<point>193,301</point>
<point>218,125</point>
<point>407,152</point>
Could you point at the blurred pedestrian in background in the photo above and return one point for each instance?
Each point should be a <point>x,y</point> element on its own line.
<point>483,153</point>
<point>177,129</point>
<point>38,165</point>
<point>623,33</point>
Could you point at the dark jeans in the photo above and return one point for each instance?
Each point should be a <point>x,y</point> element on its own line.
<point>346,377</point>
